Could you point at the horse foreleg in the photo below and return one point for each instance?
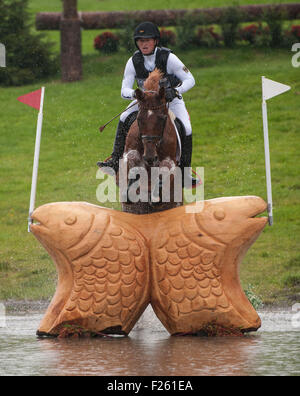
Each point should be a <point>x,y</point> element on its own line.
<point>131,160</point>
<point>166,179</point>
<point>155,194</point>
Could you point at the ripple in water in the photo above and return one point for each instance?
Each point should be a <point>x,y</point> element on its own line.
<point>273,350</point>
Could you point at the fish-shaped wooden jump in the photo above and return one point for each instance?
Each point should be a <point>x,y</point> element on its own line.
<point>111,265</point>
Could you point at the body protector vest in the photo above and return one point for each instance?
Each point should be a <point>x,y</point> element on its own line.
<point>161,59</point>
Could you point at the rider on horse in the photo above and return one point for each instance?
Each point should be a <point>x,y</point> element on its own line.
<point>179,80</point>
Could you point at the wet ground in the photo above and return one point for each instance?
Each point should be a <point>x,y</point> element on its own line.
<point>273,350</point>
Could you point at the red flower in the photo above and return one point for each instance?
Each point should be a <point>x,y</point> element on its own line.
<point>248,33</point>
<point>207,34</point>
<point>296,30</point>
<point>251,28</point>
<point>106,42</point>
<point>167,37</point>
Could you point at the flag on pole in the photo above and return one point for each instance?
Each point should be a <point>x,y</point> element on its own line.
<point>35,99</point>
<point>32,99</point>
<point>272,88</point>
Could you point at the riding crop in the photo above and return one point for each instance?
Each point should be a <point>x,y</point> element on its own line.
<point>103,126</point>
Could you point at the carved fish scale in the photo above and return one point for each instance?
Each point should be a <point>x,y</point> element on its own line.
<point>111,265</point>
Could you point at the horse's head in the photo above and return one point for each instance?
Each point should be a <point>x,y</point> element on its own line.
<point>151,120</point>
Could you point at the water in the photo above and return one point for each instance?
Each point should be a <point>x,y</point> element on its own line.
<point>273,350</point>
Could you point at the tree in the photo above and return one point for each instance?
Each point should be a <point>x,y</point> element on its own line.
<point>28,55</point>
<point>70,30</point>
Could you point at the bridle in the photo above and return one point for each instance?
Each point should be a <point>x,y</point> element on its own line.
<point>158,138</point>
<point>151,138</point>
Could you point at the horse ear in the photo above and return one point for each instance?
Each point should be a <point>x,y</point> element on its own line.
<point>161,92</point>
<point>139,94</point>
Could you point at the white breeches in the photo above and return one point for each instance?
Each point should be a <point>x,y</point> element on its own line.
<point>177,106</point>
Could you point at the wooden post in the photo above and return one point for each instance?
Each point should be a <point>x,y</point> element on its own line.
<point>70,30</point>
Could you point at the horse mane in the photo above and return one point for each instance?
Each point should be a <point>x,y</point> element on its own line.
<point>152,82</point>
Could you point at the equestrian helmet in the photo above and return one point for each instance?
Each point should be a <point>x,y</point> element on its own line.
<point>146,30</point>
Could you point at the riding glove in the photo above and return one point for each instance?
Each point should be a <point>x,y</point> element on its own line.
<point>171,93</point>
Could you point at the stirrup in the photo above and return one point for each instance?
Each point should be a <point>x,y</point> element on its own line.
<point>194,182</point>
<point>103,164</point>
<point>110,162</point>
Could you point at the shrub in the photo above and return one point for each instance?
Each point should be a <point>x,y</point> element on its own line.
<point>207,37</point>
<point>230,24</point>
<point>107,43</point>
<point>263,37</point>
<point>275,20</point>
<point>291,36</point>
<point>256,34</point>
<point>185,31</point>
<point>28,56</point>
<point>126,36</point>
<point>249,33</point>
<point>295,31</point>
<point>167,37</point>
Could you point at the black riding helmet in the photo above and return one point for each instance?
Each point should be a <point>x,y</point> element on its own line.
<point>146,30</point>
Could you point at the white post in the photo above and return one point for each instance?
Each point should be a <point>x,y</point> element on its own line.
<point>270,89</point>
<point>267,162</point>
<point>36,159</point>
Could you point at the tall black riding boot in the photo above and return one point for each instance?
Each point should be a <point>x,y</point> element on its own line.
<point>118,150</point>
<point>186,159</point>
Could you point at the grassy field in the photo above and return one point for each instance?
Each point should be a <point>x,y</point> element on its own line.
<point>225,109</point>
<point>128,5</point>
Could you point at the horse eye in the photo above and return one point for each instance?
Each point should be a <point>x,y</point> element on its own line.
<point>70,220</point>
<point>219,214</point>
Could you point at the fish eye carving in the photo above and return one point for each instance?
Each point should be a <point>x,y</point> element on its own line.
<point>219,214</point>
<point>70,220</point>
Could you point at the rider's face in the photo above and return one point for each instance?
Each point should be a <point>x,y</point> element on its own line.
<point>146,45</point>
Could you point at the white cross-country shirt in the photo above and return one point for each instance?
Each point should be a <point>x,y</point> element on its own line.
<point>174,66</point>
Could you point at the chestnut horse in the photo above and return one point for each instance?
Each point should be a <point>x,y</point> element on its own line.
<point>152,144</point>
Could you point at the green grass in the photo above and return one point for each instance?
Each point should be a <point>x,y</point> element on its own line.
<point>129,5</point>
<point>225,109</point>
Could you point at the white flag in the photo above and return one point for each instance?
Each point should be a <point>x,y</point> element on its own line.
<point>272,88</point>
